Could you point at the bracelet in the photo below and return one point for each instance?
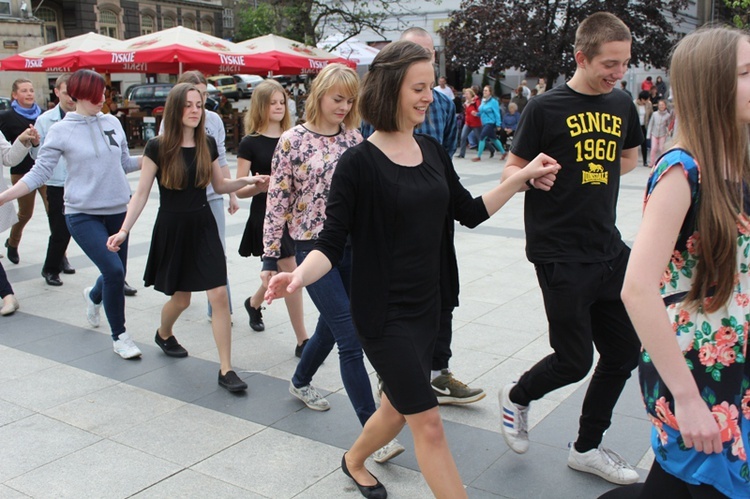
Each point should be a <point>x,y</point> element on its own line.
<point>531,186</point>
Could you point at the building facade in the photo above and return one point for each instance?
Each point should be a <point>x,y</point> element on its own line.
<point>26,24</point>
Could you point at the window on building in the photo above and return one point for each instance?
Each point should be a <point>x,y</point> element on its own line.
<point>49,17</point>
<point>168,22</point>
<point>4,7</point>
<point>228,18</point>
<point>108,23</point>
<point>207,26</point>
<point>188,22</point>
<point>147,24</point>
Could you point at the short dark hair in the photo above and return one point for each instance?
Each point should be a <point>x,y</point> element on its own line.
<point>598,29</point>
<point>86,85</point>
<point>644,95</point>
<point>378,104</point>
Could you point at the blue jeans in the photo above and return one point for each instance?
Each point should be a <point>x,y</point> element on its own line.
<point>466,134</point>
<point>217,208</point>
<point>330,294</point>
<point>91,232</point>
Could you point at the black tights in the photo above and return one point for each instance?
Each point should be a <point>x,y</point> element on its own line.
<point>661,485</point>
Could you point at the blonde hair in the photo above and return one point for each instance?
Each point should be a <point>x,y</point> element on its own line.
<point>339,77</point>
<point>256,119</point>
<point>703,74</point>
<point>469,91</point>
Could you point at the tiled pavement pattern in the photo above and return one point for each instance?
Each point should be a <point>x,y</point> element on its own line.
<point>77,421</point>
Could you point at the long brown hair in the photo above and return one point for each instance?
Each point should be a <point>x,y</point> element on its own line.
<point>171,163</point>
<point>704,83</point>
<point>256,119</point>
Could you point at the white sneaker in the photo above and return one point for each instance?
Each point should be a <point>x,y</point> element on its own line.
<point>310,396</point>
<point>388,451</point>
<point>125,348</point>
<point>10,305</point>
<point>605,463</point>
<point>515,425</point>
<point>92,309</point>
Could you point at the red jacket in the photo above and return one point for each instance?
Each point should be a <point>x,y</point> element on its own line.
<point>469,118</point>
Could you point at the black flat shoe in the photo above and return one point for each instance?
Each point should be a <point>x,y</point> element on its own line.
<point>232,382</point>
<point>256,317</point>
<point>171,347</point>
<point>52,279</point>
<point>12,253</point>
<point>66,267</point>
<point>300,348</point>
<point>376,491</point>
<point>129,290</point>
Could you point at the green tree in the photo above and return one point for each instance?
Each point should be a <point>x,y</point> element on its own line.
<point>739,12</point>
<point>307,20</point>
<point>538,35</point>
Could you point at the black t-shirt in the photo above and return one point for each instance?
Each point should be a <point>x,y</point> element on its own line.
<point>12,125</point>
<point>586,134</point>
<point>258,150</point>
<point>190,198</point>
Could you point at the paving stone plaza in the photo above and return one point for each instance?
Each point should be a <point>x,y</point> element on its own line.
<point>77,421</point>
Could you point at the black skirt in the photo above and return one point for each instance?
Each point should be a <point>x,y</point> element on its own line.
<point>186,253</point>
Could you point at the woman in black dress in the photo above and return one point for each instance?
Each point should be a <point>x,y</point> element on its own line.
<point>395,196</point>
<point>186,254</point>
<point>266,120</point>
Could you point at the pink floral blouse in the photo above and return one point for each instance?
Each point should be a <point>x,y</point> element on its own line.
<point>301,173</point>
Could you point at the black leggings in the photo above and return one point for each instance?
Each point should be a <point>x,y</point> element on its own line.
<point>660,485</point>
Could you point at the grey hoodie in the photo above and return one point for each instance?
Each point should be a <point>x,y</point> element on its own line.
<point>97,156</point>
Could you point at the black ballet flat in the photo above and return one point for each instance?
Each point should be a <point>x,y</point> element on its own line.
<point>376,491</point>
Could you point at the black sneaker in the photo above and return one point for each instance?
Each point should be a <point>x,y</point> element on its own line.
<point>299,348</point>
<point>170,346</point>
<point>256,317</point>
<point>232,382</point>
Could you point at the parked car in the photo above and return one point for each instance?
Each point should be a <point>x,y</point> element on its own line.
<point>213,92</point>
<point>149,95</point>
<point>226,86</point>
<point>246,84</point>
<point>4,103</point>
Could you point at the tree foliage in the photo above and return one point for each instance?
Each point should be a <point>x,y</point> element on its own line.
<point>307,20</point>
<point>538,35</point>
<point>739,12</point>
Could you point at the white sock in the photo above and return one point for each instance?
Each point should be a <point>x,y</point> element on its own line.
<point>435,374</point>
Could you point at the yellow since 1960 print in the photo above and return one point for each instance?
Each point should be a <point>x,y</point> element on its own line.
<point>594,149</point>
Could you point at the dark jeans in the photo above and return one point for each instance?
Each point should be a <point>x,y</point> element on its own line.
<point>442,353</point>
<point>5,287</point>
<point>660,484</point>
<point>330,294</point>
<point>584,309</point>
<point>91,232</point>
<point>504,137</point>
<point>644,146</point>
<point>59,236</point>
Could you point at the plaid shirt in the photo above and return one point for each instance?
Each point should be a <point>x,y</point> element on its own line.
<point>440,123</point>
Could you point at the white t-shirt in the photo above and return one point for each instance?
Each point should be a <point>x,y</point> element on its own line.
<point>446,91</point>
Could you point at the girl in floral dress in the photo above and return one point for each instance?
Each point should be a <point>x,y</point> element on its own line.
<point>694,376</point>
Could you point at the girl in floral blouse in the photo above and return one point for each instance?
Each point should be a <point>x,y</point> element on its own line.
<point>693,371</point>
<point>301,171</point>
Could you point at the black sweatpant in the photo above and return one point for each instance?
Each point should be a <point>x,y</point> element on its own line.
<point>661,485</point>
<point>442,353</point>
<point>59,236</point>
<point>584,310</point>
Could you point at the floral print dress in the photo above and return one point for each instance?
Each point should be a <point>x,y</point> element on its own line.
<point>715,347</point>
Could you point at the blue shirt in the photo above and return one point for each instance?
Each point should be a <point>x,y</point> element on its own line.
<point>440,123</point>
<point>511,120</point>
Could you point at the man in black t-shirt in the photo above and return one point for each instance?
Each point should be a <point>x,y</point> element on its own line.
<point>577,251</point>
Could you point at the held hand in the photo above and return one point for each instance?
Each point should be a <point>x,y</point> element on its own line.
<point>698,426</point>
<point>29,137</point>
<point>234,205</point>
<point>542,172</point>
<point>282,285</point>
<point>266,276</point>
<point>115,240</point>
<point>263,186</point>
